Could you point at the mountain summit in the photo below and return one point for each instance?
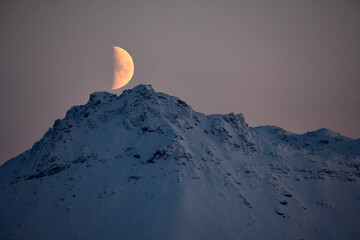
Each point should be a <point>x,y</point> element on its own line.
<point>145,165</point>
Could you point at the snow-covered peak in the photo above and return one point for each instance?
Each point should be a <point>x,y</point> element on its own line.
<point>141,100</point>
<point>324,133</point>
<point>141,88</point>
<point>98,97</point>
<point>146,164</point>
<point>274,132</point>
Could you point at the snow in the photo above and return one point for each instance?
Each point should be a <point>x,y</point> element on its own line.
<point>144,165</point>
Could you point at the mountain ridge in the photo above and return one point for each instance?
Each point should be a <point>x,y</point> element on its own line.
<point>146,165</point>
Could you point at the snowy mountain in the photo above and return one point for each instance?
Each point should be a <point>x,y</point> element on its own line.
<point>144,165</point>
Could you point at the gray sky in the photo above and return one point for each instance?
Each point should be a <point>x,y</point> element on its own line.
<point>294,64</point>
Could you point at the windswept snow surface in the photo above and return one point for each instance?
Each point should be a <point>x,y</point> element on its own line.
<point>144,165</point>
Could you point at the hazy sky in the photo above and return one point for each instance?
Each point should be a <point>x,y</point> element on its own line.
<point>294,64</point>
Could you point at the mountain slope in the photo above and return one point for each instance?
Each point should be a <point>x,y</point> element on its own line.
<point>144,165</point>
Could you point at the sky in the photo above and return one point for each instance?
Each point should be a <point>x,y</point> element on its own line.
<point>293,64</point>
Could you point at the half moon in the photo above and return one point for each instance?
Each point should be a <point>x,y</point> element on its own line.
<point>123,68</point>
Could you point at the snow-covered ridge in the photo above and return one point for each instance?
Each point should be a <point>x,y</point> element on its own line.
<point>146,164</point>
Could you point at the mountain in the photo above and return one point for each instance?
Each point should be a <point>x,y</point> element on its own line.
<point>145,165</point>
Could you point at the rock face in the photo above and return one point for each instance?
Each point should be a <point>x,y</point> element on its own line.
<point>144,165</point>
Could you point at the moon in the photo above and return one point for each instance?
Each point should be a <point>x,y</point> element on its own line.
<point>123,68</point>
